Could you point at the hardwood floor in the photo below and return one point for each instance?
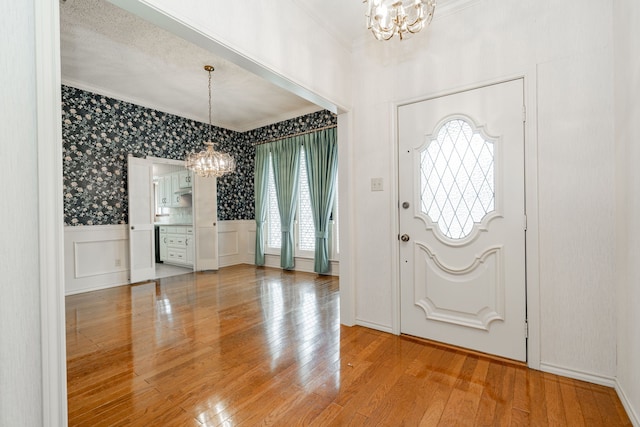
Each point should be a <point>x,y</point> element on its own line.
<point>248,346</point>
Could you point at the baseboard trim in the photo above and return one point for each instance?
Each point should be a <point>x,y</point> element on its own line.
<point>97,288</point>
<point>305,265</point>
<point>375,326</point>
<point>631,413</point>
<point>578,375</point>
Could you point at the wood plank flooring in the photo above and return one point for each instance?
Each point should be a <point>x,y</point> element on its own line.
<point>245,346</point>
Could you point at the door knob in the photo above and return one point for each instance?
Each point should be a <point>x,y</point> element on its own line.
<point>133,227</point>
<point>405,205</point>
<point>404,237</point>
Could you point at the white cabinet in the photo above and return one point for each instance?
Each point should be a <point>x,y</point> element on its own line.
<point>171,189</point>
<point>164,192</point>
<point>184,178</point>
<point>175,186</point>
<point>163,243</point>
<point>167,185</point>
<point>189,243</point>
<point>179,245</point>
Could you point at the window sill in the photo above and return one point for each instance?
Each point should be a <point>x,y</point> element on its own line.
<point>303,264</point>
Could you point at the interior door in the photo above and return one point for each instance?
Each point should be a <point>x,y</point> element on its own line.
<point>142,264</point>
<point>205,208</point>
<point>462,219</point>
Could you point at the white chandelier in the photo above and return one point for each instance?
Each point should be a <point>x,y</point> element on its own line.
<point>386,18</point>
<point>210,163</point>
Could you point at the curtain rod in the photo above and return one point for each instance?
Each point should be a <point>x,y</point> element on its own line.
<point>295,134</point>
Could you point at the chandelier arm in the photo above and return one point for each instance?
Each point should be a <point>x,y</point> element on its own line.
<point>391,28</point>
<point>416,21</point>
<point>395,14</point>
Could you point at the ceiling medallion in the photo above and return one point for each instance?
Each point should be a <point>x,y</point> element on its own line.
<point>210,163</point>
<point>386,18</point>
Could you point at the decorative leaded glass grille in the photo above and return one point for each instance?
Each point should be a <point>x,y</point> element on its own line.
<point>457,178</point>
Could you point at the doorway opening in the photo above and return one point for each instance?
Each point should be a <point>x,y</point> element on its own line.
<point>173,218</point>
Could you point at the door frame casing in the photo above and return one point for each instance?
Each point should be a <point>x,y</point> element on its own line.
<point>53,353</point>
<point>532,281</point>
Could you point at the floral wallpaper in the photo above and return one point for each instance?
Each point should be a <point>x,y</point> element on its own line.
<point>99,132</point>
<point>305,123</point>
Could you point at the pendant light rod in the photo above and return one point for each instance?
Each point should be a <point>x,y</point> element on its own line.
<point>209,69</point>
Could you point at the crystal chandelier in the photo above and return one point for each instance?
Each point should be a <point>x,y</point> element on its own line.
<point>386,18</point>
<point>209,162</point>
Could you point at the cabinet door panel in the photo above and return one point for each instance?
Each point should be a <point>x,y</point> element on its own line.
<point>163,246</point>
<point>185,179</point>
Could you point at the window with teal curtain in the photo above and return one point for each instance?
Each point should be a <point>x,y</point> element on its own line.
<point>305,229</point>
<point>321,153</point>
<point>260,192</point>
<point>285,155</point>
<point>273,238</point>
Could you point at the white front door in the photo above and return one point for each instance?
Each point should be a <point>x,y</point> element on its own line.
<point>462,219</point>
<point>142,265</point>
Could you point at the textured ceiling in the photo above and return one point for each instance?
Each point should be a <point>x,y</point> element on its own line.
<point>112,52</point>
<point>107,50</point>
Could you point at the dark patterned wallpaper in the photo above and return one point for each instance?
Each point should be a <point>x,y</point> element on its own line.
<point>99,132</point>
<point>291,127</point>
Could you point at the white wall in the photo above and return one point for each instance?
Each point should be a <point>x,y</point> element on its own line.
<point>627,114</point>
<point>275,34</point>
<point>567,48</point>
<point>21,378</point>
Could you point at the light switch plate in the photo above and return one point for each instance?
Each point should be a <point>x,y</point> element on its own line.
<point>376,184</point>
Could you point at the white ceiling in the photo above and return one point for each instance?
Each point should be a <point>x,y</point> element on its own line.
<point>107,50</point>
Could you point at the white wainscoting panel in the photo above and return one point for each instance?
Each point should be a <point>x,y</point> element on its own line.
<point>95,257</point>
<point>252,242</point>
<point>236,240</point>
<point>99,258</point>
<point>228,243</point>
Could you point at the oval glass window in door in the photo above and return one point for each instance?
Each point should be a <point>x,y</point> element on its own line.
<point>457,178</point>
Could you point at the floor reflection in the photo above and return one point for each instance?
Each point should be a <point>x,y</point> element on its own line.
<point>247,346</point>
<point>200,341</point>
